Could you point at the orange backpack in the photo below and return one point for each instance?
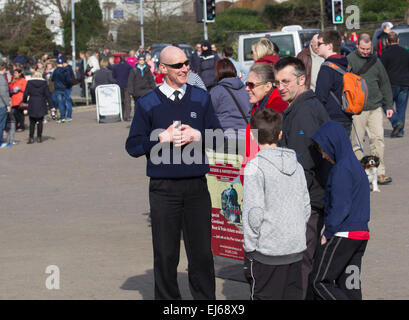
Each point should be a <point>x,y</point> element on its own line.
<point>354,93</point>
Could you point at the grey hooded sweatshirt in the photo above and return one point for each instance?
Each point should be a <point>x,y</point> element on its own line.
<point>276,207</point>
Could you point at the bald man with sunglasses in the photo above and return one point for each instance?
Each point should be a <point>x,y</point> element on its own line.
<point>169,121</point>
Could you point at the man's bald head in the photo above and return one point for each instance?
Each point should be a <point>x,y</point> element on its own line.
<point>174,65</point>
<point>171,54</point>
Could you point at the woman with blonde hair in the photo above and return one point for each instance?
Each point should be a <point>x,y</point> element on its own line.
<point>263,51</point>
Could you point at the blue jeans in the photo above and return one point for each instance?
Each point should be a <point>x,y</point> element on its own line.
<point>60,95</point>
<point>3,121</point>
<point>68,103</point>
<point>400,97</point>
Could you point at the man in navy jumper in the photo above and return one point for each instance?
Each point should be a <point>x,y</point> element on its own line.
<point>178,193</point>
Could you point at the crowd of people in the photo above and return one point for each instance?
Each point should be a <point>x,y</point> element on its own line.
<point>306,194</point>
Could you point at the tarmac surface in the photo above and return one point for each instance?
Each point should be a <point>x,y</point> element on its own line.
<point>78,201</point>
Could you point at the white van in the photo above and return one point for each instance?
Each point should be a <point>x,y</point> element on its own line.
<point>290,40</point>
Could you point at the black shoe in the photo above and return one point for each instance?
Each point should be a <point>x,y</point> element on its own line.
<point>396,129</point>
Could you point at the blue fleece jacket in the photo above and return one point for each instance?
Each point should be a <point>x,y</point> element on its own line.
<point>154,113</point>
<point>347,193</point>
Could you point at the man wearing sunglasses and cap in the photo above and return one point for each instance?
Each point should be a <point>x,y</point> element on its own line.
<point>168,128</point>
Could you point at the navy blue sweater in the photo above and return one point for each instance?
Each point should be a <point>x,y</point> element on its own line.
<point>154,113</point>
<point>347,194</point>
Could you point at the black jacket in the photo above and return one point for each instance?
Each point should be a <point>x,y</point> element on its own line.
<point>395,59</point>
<point>302,118</point>
<point>101,77</point>
<point>207,68</point>
<point>138,83</point>
<point>38,95</point>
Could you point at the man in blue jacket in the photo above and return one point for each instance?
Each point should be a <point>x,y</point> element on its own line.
<point>336,273</point>
<point>329,82</point>
<point>120,73</point>
<point>178,193</point>
<point>62,81</point>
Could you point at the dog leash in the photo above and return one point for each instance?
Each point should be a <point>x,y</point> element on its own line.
<point>359,141</point>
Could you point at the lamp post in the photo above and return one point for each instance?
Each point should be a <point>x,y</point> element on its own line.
<point>142,35</point>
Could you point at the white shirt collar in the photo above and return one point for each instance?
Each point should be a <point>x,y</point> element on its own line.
<point>168,91</point>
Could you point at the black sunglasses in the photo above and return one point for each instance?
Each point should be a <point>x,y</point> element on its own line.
<point>178,65</point>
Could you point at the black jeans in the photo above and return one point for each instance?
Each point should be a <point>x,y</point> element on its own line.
<point>337,268</point>
<point>19,114</point>
<point>33,122</point>
<point>176,205</point>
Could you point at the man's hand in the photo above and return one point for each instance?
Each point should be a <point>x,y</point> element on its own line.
<point>8,108</point>
<point>323,240</point>
<point>389,113</point>
<point>170,133</point>
<point>187,135</point>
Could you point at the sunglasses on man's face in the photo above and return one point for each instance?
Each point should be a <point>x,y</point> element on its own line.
<point>178,65</point>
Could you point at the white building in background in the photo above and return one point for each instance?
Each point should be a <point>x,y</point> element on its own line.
<point>114,12</point>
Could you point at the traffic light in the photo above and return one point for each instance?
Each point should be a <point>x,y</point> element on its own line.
<point>328,9</point>
<point>337,12</point>
<point>199,10</point>
<point>210,10</point>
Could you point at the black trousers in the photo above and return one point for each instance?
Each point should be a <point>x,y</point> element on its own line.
<point>314,226</point>
<point>268,282</point>
<point>337,268</point>
<point>126,104</point>
<point>33,122</point>
<point>176,205</point>
<point>19,114</point>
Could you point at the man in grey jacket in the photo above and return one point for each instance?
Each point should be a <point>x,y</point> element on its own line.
<point>4,101</point>
<point>276,208</point>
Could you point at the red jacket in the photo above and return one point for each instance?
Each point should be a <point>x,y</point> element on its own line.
<point>17,98</point>
<point>274,102</point>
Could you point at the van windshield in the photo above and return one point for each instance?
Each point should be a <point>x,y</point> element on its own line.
<point>284,42</point>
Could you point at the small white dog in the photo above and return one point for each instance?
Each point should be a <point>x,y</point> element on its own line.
<point>370,164</point>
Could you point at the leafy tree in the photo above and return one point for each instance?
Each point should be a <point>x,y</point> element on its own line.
<point>15,22</point>
<point>38,40</point>
<point>89,28</point>
<point>236,19</point>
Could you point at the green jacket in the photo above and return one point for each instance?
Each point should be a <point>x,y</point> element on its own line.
<point>377,80</point>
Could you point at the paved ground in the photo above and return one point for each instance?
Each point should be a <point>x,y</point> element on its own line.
<point>78,201</point>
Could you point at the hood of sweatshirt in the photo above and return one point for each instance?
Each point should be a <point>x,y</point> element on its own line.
<point>334,140</point>
<point>233,83</point>
<point>283,159</point>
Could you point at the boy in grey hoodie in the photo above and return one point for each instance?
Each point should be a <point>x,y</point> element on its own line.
<point>276,208</point>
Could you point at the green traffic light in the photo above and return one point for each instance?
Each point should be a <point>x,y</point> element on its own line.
<point>338,18</point>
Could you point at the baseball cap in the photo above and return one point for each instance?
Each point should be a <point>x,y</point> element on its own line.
<point>60,60</point>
